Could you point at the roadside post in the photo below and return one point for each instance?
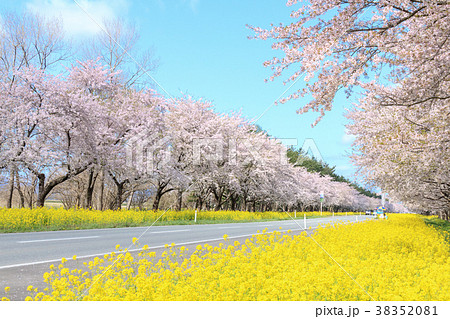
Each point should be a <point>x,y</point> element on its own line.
<point>381,212</point>
<point>195,218</point>
<point>295,214</point>
<point>321,201</point>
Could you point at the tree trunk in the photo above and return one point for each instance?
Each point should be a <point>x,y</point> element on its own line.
<point>157,200</point>
<point>179,199</point>
<point>233,200</point>
<point>31,192</point>
<point>10,188</point>
<point>102,190</point>
<point>78,201</point>
<point>160,191</point>
<point>41,194</point>
<point>30,200</point>
<point>44,190</point>
<point>19,190</point>
<point>198,203</point>
<point>446,215</point>
<point>90,188</point>
<point>119,195</point>
<point>244,202</point>
<point>89,194</point>
<point>129,200</point>
<point>218,197</point>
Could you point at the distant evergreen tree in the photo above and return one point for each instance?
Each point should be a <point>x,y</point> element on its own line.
<point>299,158</point>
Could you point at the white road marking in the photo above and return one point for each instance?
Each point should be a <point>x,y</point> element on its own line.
<point>258,226</point>
<point>229,227</point>
<point>168,231</point>
<point>54,239</point>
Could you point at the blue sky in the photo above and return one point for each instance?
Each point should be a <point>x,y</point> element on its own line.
<point>204,51</point>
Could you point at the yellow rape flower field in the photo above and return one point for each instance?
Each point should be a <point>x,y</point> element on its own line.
<point>40,219</point>
<point>396,259</point>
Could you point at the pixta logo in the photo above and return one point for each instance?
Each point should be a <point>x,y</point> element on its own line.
<point>310,148</point>
<point>146,153</point>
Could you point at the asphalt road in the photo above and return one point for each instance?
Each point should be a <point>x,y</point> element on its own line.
<point>24,257</point>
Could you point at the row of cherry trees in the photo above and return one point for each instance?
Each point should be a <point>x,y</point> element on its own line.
<point>61,131</point>
<point>92,135</point>
<point>396,54</point>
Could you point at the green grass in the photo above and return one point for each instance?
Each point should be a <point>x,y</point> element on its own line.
<point>227,221</point>
<point>53,203</point>
<point>441,225</point>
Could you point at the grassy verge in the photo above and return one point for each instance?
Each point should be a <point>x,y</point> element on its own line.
<point>441,225</point>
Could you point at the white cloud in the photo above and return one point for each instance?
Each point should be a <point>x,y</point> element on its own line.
<point>81,17</point>
<point>344,167</point>
<point>347,138</point>
<point>193,4</point>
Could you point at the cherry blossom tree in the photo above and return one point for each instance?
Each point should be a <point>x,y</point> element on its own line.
<point>185,121</point>
<point>226,162</point>
<point>338,44</point>
<point>126,116</point>
<point>116,46</point>
<point>404,150</point>
<point>201,148</point>
<point>26,40</point>
<point>62,127</point>
<point>40,128</point>
<point>397,54</point>
<point>59,127</point>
